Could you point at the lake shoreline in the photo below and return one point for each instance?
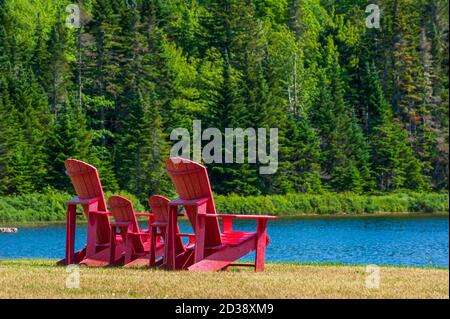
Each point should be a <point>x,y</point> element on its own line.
<point>41,278</point>
<point>82,221</point>
<point>408,240</point>
<point>50,206</point>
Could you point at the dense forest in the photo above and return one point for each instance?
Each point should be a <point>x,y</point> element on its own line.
<point>358,109</point>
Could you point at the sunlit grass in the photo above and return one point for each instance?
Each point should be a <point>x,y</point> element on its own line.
<point>42,279</point>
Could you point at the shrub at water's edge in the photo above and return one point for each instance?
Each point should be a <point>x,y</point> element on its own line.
<point>333,203</point>
<point>50,206</point>
<point>46,207</point>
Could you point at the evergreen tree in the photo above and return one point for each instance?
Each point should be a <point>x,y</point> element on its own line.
<point>393,161</point>
<point>343,146</point>
<point>357,109</point>
<point>8,136</point>
<point>29,107</point>
<point>141,149</point>
<point>56,77</point>
<point>40,57</point>
<point>5,48</point>
<point>299,169</point>
<point>70,139</point>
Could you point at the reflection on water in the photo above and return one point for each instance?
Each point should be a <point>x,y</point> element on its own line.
<point>420,241</point>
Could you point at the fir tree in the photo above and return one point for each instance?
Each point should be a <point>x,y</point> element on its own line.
<point>344,149</point>
<point>70,139</point>
<point>393,161</point>
<point>357,109</point>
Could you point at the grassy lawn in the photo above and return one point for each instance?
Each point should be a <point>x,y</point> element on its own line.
<point>42,279</point>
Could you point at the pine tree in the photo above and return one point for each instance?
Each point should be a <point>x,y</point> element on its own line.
<point>357,109</point>
<point>141,149</point>
<point>344,149</point>
<point>228,27</point>
<point>8,136</point>
<point>393,161</point>
<point>70,139</point>
<point>29,107</point>
<point>40,56</point>
<point>7,40</point>
<point>100,67</point>
<point>57,73</point>
<point>299,160</point>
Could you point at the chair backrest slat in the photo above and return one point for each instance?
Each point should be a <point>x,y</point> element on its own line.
<point>123,211</point>
<point>191,182</point>
<point>159,206</point>
<point>86,181</point>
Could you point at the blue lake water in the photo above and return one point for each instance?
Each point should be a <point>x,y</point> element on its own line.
<point>407,241</point>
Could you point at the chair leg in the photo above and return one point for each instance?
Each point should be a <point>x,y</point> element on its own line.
<point>70,234</point>
<point>261,242</point>
<point>169,251</point>
<point>112,247</point>
<point>152,261</point>
<point>200,224</point>
<point>128,242</point>
<point>199,249</point>
<point>91,245</point>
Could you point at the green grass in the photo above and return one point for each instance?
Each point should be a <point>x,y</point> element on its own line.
<point>41,278</point>
<point>50,206</point>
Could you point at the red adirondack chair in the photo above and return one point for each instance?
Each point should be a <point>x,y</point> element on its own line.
<point>136,241</point>
<point>214,249</point>
<point>90,197</point>
<point>159,206</point>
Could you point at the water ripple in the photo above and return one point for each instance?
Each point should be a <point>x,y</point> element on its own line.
<point>380,240</point>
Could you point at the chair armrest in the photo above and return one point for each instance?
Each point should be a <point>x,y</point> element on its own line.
<point>120,224</point>
<point>139,234</point>
<point>85,201</point>
<point>191,237</point>
<point>186,235</point>
<point>242,216</point>
<point>159,224</point>
<point>144,214</point>
<point>125,227</point>
<point>192,202</point>
<point>100,213</point>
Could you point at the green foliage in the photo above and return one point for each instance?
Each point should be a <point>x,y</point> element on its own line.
<point>394,163</point>
<point>299,169</point>
<point>33,207</point>
<point>332,203</point>
<point>343,146</point>
<point>26,126</point>
<point>357,109</point>
<point>70,139</point>
<point>48,206</point>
